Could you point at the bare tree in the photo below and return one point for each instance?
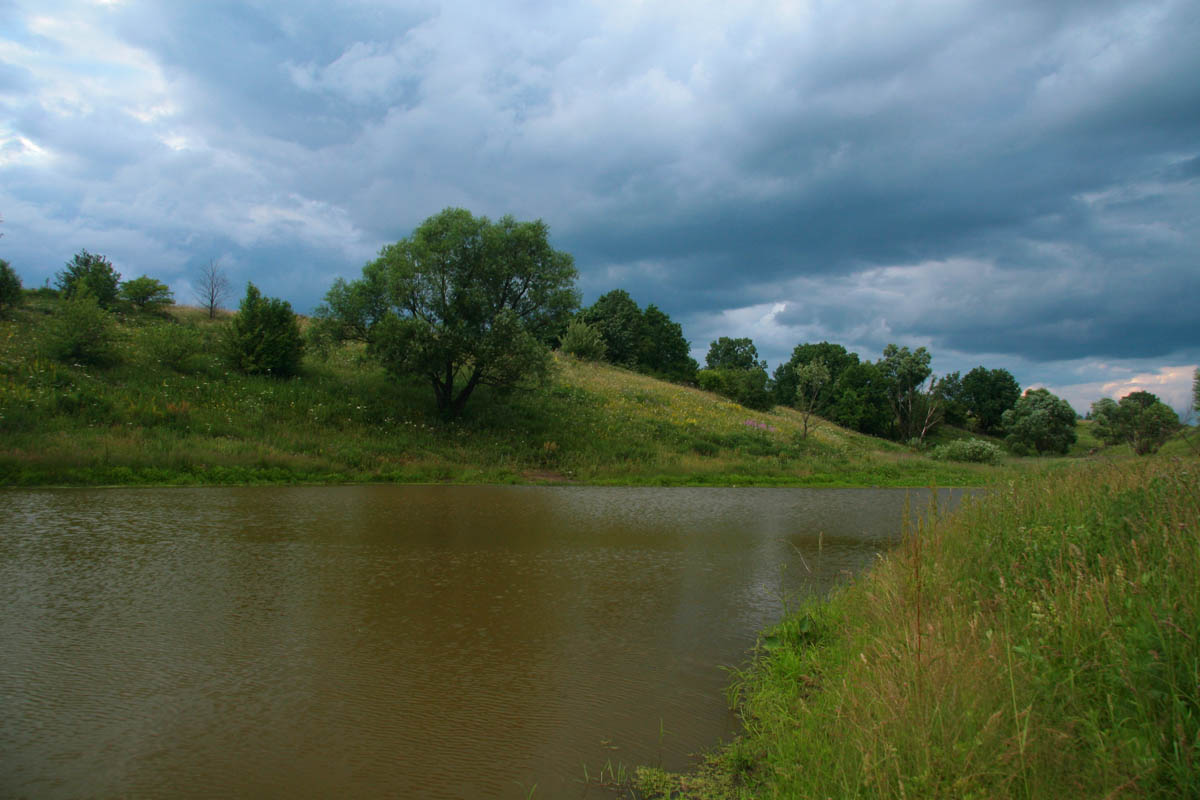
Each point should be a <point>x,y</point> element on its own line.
<point>212,287</point>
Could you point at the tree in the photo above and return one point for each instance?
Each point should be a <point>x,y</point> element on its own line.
<point>466,302</point>
<point>264,338</point>
<point>1140,420</point>
<point>146,293</point>
<point>212,287</point>
<point>1040,422</point>
<point>987,394</point>
<point>1196,390</point>
<point>905,372</point>
<point>620,323</point>
<point>811,378</point>
<point>10,287</point>
<point>726,353</point>
<point>93,272</point>
<point>663,351</point>
<point>836,360</point>
<point>861,400</point>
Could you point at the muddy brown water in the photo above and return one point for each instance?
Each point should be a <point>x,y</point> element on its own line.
<point>381,641</point>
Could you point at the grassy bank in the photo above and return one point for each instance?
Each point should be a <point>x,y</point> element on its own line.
<point>166,410</point>
<point>1041,643</point>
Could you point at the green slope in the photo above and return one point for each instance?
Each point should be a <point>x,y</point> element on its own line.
<point>167,410</point>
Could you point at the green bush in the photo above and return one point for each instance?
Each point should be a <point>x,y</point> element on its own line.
<point>81,332</point>
<point>264,338</point>
<point>10,287</point>
<point>583,341</point>
<point>975,451</point>
<point>175,346</point>
<point>93,272</point>
<point>747,387</point>
<point>147,294</point>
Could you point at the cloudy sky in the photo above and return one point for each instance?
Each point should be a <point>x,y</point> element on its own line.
<point>1013,184</point>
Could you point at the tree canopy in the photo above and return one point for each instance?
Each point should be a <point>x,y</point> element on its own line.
<point>647,341</point>
<point>727,353</point>
<point>1040,422</point>
<point>462,302</point>
<point>987,394</point>
<point>1140,420</point>
<point>10,287</point>
<point>91,272</point>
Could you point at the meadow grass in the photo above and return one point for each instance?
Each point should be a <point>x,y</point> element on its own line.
<point>167,410</point>
<point>1042,642</point>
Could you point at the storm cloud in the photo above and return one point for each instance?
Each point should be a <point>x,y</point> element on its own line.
<point>1011,184</point>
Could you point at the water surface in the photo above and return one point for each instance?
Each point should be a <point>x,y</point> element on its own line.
<point>383,641</point>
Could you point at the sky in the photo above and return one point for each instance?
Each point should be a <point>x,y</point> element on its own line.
<point>1014,185</point>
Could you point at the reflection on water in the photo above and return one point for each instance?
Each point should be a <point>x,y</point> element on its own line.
<point>392,641</point>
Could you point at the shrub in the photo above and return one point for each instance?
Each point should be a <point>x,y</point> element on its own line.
<point>175,346</point>
<point>147,294</point>
<point>584,341</point>
<point>93,272</point>
<point>975,451</point>
<point>10,287</point>
<point>264,338</point>
<point>747,387</point>
<point>81,332</point>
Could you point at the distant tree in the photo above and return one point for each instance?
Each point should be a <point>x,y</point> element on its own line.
<point>836,360</point>
<point>904,372</point>
<point>861,400</point>
<point>1040,422</point>
<point>811,379</point>
<point>10,287</point>
<point>146,293</point>
<point>81,332</point>
<point>620,323</point>
<point>212,287</point>
<point>264,337</point>
<point>662,350</point>
<point>468,302</point>
<point>987,394</point>
<point>1196,390</point>
<point>583,341</point>
<point>954,406</point>
<point>727,353</point>
<point>93,272</point>
<point>352,308</point>
<point>1140,420</point>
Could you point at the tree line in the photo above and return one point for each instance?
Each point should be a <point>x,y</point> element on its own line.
<point>465,302</point>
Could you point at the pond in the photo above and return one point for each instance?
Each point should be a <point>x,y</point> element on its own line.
<point>430,641</point>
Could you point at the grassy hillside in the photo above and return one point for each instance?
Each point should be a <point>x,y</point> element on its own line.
<point>166,410</point>
<point>1041,643</point>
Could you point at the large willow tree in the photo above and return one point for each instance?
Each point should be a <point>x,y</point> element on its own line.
<point>462,302</point>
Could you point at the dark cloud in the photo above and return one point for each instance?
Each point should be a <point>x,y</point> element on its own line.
<point>1016,180</point>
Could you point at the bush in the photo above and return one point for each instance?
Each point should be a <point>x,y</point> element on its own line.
<point>583,341</point>
<point>975,451</point>
<point>147,294</point>
<point>93,272</point>
<point>747,387</point>
<point>81,332</point>
<point>10,287</point>
<point>264,338</point>
<point>175,346</point>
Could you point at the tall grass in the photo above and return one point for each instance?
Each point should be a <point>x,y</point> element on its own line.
<point>1041,643</point>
